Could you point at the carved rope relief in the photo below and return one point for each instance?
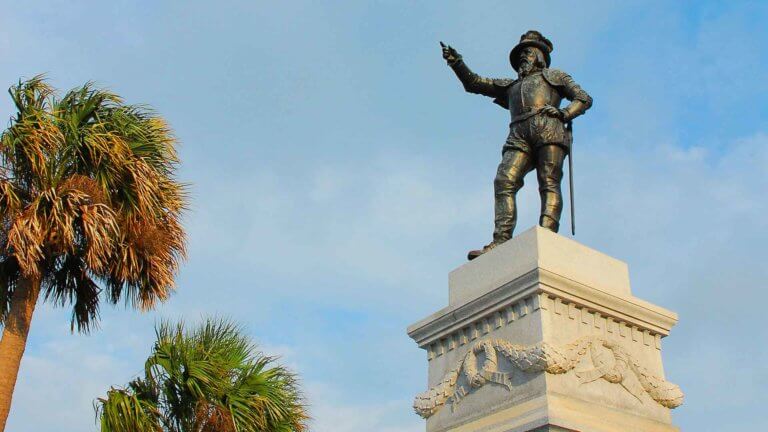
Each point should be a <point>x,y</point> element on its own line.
<point>611,363</point>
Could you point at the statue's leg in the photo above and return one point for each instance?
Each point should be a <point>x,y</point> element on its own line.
<point>549,170</point>
<point>515,164</point>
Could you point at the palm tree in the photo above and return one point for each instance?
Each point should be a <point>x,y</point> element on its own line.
<point>209,379</point>
<point>89,210</point>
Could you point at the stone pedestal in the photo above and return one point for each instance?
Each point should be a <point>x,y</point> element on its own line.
<point>544,334</point>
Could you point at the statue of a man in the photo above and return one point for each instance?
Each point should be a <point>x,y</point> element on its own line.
<point>539,133</point>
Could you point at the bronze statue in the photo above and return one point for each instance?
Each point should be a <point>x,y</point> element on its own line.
<point>539,133</point>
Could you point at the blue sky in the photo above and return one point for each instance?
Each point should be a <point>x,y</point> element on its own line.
<point>339,172</point>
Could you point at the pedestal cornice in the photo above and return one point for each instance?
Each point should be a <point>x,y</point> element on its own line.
<point>537,287</point>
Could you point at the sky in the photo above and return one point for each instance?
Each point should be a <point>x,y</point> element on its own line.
<point>338,172</point>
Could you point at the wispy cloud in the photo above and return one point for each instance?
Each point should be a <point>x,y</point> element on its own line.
<point>339,172</point>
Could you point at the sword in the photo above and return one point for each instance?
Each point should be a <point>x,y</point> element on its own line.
<point>569,138</point>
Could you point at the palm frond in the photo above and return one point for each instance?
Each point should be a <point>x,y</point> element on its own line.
<point>90,177</point>
<point>124,411</point>
<point>9,276</point>
<point>25,241</point>
<point>68,282</point>
<point>211,379</point>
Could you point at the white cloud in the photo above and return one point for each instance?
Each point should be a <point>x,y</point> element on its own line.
<point>333,411</point>
<point>61,378</point>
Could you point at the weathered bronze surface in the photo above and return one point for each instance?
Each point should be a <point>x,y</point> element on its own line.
<point>539,131</point>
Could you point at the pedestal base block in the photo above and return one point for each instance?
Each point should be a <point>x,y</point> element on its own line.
<point>543,334</point>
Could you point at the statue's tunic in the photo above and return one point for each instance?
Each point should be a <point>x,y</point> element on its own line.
<point>526,96</point>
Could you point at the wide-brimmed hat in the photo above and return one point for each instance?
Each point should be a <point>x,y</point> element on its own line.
<point>534,39</point>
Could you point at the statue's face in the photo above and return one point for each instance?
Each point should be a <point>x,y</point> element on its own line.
<point>528,55</point>
<point>527,60</point>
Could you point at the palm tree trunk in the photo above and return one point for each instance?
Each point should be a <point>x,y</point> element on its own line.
<point>14,340</point>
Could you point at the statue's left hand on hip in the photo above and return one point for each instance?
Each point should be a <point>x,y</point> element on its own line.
<point>552,112</point>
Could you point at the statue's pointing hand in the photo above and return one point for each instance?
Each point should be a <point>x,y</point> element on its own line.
<point>450,54</point>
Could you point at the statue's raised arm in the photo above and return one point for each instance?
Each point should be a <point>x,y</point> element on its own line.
<point>473,83</point>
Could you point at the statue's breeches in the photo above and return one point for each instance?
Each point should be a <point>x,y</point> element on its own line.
<point>547,159</point>
<point>529,134</point>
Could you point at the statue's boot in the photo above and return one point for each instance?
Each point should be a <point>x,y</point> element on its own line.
<point>549,222</point>
<point>476,253</point>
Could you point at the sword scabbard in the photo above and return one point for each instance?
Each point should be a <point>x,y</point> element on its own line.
<point>569,133</point>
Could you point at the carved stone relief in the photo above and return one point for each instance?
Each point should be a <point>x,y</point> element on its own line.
<point>609,361</point>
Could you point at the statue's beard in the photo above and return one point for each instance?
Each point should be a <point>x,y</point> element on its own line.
<point>525,68</point>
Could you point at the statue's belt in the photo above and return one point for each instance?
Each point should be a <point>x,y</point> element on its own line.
<point>526,115</point>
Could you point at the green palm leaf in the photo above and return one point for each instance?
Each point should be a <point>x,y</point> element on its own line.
<point>208,379</point>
